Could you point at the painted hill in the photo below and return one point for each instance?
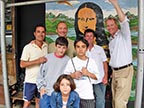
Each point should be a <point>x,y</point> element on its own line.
<point>52,20</point>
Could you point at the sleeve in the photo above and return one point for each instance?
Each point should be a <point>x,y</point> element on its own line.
<point>25,54</point>
<point>40,78</point>
<point>53,100</point>
<point>69,68</point>
<point>125,29</point>
<point>103,55</point>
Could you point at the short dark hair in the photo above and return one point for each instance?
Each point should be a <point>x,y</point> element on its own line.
<point>82,40</point>
<point>39,25</point>
<point>89,31</point>
<point>56,86</point>
<point>61,41</point>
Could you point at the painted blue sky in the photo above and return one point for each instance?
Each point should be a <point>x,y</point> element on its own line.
<point>107,8</point>
<point>102,3</point>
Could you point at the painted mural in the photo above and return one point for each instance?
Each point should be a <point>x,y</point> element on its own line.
<point>68,11</point>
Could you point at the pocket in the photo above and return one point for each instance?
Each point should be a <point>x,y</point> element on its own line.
<point>123,73</point>
<point>121,82</point>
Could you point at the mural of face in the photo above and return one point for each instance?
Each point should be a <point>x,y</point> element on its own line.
<point>86,19</point>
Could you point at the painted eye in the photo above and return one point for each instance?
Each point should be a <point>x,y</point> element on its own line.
<point>91,18</point>
<point>82,19</point>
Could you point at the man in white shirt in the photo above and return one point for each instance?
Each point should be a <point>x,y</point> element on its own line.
<point>98,55</point>
<point>121,57</point>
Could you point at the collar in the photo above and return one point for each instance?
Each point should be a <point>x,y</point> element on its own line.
<point>115,35</point>
<point>58,56</point>
<point>43,45</point>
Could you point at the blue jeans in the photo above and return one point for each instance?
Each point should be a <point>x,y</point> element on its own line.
<point>45,101</point>
<point>99,90</point>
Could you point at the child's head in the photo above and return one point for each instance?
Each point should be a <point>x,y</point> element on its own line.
<point>61,41</point>
<point>61,45</point>
<point>82,40</point>
<point>64,83</point>
<point>81,46</point>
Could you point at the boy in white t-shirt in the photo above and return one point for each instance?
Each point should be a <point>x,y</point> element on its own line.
<point>84,71</point>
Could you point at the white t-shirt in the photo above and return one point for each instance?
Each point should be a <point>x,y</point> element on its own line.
<point>98,55</point>
<point>32,52</point>
<point>64,104</point>
<point>83,85</point>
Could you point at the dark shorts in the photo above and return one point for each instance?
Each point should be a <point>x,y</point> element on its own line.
<point>84,103</point>
<point>30,91</point>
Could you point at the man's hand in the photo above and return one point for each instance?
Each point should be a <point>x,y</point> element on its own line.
<point>42,60</point>
<point>118,9</point>
<point>105,80</point>
<point>38,61</point>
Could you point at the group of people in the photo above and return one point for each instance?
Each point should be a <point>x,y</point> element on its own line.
<point>74,74</point>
